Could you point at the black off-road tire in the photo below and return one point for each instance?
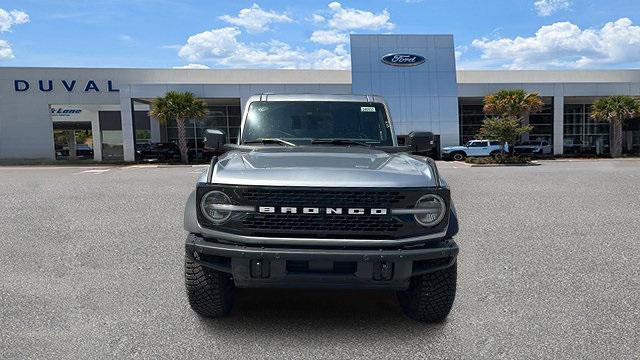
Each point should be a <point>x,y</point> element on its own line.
<point>494,153</point>
<point>458,156</point>
<point>211,293</point>
<point>430,296</point>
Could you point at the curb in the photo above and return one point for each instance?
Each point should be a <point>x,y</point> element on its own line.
<point>593,159</point>
<point>164,166</point>
<point>505,165</point>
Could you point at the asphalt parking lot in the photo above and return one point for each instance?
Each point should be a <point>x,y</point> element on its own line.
<point>91,262</point>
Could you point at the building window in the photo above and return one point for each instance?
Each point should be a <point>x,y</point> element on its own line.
<point>142,126</point>
<point>223,115</point>
<point>111,134</point>
<point>542,123</point>
<point>635,142</point>
<point>631,136</point>
<point>472,115</point>
<point>582,134</point>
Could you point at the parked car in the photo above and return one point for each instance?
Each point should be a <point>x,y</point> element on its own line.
<point>83,151</point>
<point>533,147</point>
<point>158,152</point>
<point>472,148</point>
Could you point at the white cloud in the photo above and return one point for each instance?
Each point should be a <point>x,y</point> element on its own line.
<point>329,37</point>
<point>5,51</point>
<point>350,19</point>
<point>549,7</point>
<point>315,18</point>
<point>338,59</point>
<point>127,38</point>
<point>565,45</point>
<point>10,18</point>
<point>342,20</point>
<point>460,50</point>
<point>7,20</point>
<point>214,43</point>
<point>222,47</point>
<point>192,66</point>
<point>255,19</point>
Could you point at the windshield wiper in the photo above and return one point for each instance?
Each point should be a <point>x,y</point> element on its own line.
<point>340,142</point>
<point>269,141</point>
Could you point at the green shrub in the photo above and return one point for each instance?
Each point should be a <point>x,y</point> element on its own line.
<point>499,159</point>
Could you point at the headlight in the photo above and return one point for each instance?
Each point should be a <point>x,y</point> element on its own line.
<point>215,207</point>
<point>430,210</point>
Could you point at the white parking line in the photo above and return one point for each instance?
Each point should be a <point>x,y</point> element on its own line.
<point>141,166</point>
<point>93,171</point>
<point>461,163</point>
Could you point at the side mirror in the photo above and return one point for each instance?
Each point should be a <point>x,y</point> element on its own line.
<point>214,139</point>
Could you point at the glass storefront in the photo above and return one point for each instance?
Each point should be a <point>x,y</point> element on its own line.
<point>542,123</point>
<point>142,126</point>
<point>631,137</point>
<point>471,117</point>
<point>73,140</point>
<point>582,134</point>
<point>224,114</point>
<point>472,114</point>
<point>74,127</point>
<point>111,133</point>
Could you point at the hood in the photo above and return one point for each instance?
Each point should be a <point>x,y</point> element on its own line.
<point>321,166</point>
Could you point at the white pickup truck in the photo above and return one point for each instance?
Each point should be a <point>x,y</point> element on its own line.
<point>473,148</point>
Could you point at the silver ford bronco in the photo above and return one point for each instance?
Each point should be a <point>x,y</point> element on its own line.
<point>317,193</point>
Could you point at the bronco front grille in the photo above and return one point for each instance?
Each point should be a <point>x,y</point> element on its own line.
<point>322,223</point>
<point>346,223</point>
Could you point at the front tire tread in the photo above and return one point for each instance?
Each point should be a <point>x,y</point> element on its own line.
<point>211,293</point>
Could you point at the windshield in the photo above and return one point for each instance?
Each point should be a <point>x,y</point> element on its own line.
<point>303,121</point>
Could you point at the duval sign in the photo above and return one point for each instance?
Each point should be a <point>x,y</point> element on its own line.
<point>397,59</point>
<point>65,85</point>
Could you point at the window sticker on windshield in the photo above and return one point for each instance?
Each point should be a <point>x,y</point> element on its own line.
<point>367,109</point>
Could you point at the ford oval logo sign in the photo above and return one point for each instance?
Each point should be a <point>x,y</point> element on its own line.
<point>403,59</point>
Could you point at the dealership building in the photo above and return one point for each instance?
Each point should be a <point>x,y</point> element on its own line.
<point>105,111</point>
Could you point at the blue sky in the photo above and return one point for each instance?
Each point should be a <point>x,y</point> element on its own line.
<point>504,34</point>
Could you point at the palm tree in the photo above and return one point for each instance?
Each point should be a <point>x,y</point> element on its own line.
<point>180,106</point>
<point>514,104</point>
<point>616,110</point>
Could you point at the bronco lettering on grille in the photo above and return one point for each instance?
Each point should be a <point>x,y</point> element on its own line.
<point>319,211</point>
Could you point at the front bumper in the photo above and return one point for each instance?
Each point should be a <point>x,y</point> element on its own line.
<point>259,266</point>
